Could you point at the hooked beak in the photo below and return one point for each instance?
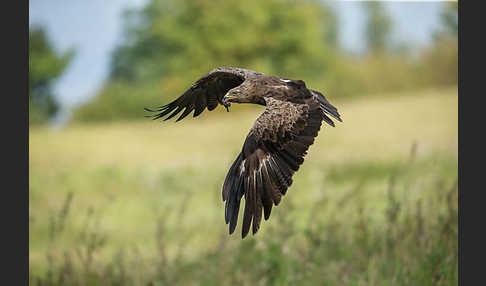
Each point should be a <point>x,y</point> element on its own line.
<point>227,99</point>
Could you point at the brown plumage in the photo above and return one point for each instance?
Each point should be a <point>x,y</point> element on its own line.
<point>277,143</point>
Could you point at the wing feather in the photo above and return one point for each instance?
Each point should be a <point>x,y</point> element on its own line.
<point>273,151</point>
<point>206,92</point>
<point>327,107</point>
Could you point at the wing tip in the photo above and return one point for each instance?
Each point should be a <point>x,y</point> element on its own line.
<point>244,233</point>
<point>148,109</point>
<point>337,116</point>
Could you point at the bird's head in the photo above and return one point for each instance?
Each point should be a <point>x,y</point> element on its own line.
<point>233,95</point>
<point>240,94</point>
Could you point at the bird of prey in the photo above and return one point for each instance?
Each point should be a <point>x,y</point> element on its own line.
<point>277,143</point>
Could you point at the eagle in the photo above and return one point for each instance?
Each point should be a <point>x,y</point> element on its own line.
<point>276,145</point>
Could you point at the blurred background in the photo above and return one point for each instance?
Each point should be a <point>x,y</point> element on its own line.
<point>118,199</point>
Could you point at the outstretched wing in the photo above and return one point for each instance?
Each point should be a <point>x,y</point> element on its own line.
<point>273,151</point>
<point>206,92</point>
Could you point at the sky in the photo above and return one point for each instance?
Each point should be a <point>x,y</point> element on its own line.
<point>93,28</point>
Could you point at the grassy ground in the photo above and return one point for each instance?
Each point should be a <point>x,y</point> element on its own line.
<point>139,203</point>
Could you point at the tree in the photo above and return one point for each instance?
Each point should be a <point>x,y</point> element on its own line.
<point>168,44</point>
<point>449,21</point>
<point>378,27</point>
<point>450,18</point>
<point>331,30</point>
<point>169,37</point>
<point>443,53</point>
<point>45,65</point>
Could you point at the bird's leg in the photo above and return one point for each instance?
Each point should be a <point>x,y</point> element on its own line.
<point>226,105</point>
<point>227,99</point>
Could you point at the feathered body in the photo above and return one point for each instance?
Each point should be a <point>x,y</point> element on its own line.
<point>276,144</point>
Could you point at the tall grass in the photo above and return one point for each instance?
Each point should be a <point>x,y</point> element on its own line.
<point>407,241</point>
<point>140,203</point>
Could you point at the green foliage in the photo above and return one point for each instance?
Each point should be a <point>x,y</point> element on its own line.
<point>407,241</point>
<point>119,101</point>
<point>169,44</point>
<point>440,61</point>
<point>45,65</point>
<point>435,66</point>
<point>449,19</point>
<point>378,27</point>
<point>139,203</point>
<point>192,37</point>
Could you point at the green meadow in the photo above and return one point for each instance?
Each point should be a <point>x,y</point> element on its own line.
<point>139,202</point>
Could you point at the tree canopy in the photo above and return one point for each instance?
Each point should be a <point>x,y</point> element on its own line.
<point>168,44</point>
<point>449,20</point>
<point>192,37</point>
<point>45,65</point>
<point>378,27</point>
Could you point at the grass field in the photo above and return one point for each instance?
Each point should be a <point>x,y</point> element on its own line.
<point>139,203</point>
